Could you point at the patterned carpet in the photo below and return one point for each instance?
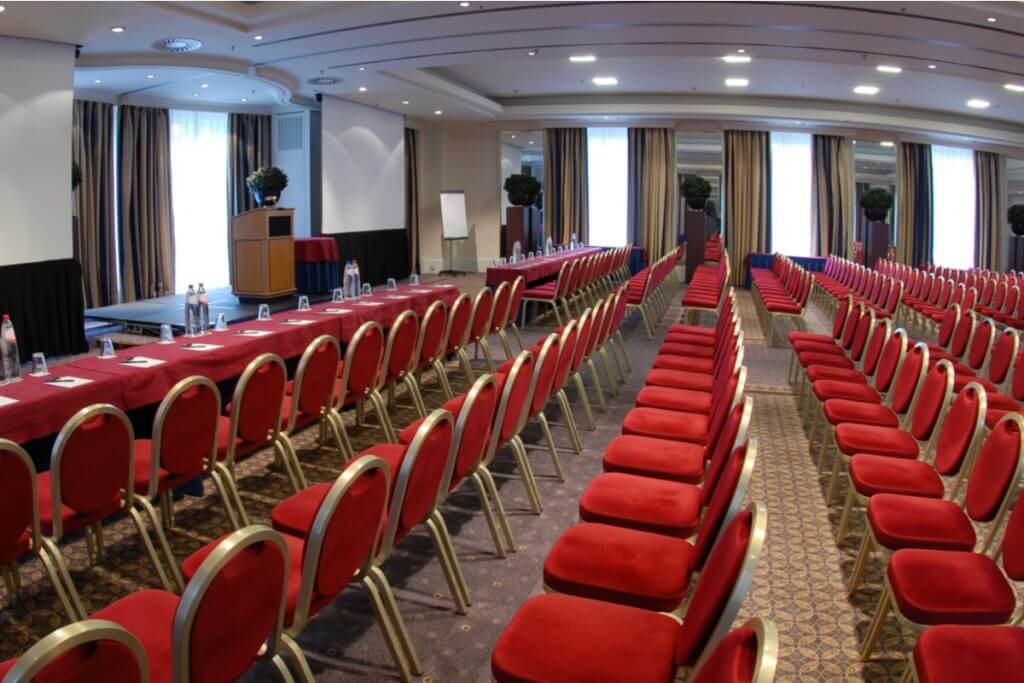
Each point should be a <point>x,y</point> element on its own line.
<point>799,584</point>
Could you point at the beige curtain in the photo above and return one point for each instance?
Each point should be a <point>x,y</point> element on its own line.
<point>249,150</point>
<point>95,245</point>
<point>565,184</point>
<point>747,168</point>
<point>988,220</point>
<point>914,204</point>
<point>412,211</point>
<point>147,232</point>
<point>653,190</point>
<point>833,194</point>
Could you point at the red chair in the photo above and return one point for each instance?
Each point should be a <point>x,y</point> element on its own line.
<point>360,374</point>
<point>748,654</point>
<point>518,289</point>
<point>20,533</point>
<point>91,479</point>
<point>230,615</point>
<point>430,347</point>
<point>479,326</point>
<point>950,654</point>
<point>457,333</point>
<point>255,419</point>
<point>500,315</point>
<point>568,343</point>
<point>310,396</point>
<point>400,360</point>
<point>541,389</point>
<point>615,334</point>
<point>586,323</point>
<point>83,652</point>
<point>597,322</point>
<point>568,638</point>
<point>552,293</point>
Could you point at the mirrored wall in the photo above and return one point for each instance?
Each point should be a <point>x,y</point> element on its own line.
<point>701,154</point>
<point>875,166</point>
<point>522,220</point>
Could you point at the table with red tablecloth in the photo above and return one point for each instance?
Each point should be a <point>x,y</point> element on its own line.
<point>317,264</point>
<point>41,408</point>
<point>537,268</point>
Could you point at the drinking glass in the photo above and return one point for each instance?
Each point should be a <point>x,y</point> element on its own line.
<point>414,279</point>
<point>166,334</point>
<point>39,364</point>
<point>263,313</point>
<point>367,289</point>
<point>392,285</point>
<point>337,296</point>
<point>107,348</point>
<point>303,303</point>
<point>222,323</point>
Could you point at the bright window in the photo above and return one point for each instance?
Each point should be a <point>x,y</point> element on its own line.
<point>607,181</point>
<point>199,198</point>
<point>791,194</point>
<point>953,206</point>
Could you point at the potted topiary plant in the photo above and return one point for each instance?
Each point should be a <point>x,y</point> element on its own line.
<point>696,190</point>
<point>1016,217</point>
<point>522,189</point>
<point>876,203</point>
<point>267,184</point>
<point>76,176</point>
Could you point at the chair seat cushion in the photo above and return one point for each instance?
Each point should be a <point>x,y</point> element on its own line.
<point>839,410</point>
<point>819,372</point>
<point>687,350</point>
<point>949,587</point>
<point>813,358</point>
<point>71,520</point>
<point>614,564</point>
<point>1000,401</point>
<point>874,474</point>
<point>683,364</point>
<point>686,400</point>
<point>854,438</point>
<point>783,307</point>
<point>952,654</point>
<point>852,391</point>
<point>666,424</point>
<point>680,379</point>
<point>149,616</point>
<point>680,328</point>
<point>815,346</point>
<point>568,638</point>
<point>661,507</point>
<point>690,339</point>
<point>796,336</point>
<point>912,522</point>
<point>658,458</point>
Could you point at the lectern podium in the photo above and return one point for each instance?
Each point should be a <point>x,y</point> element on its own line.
<point>262,254</point>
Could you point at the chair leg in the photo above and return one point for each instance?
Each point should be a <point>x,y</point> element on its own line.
<point>225,499</point>
<point>647,323</point>
<point>488,356</point>
<point>485,505</point>
<point>461,607</point>
<point>467,366</point>
<point>550,440</point>
<point>844,521</point>
<point>570,421</point>
<point>519,336</point>
<point>449,547</point>
<point>140,525</point>
<point>506,346</point>
<point>229,480</point>
<point>610,375</point>
<point>526,473</point>
<point>442,379</point>
<point>499,508</point>
<point>558,316</point>
<point>597,385</point>
<point>867,544</point>
<point>414,392</point>
<point>621,347</point>
<point>292,649</point>
<point>875,629</point>
<point>161,538</point>
<point>56,568</point>
<point>833,484</point>
<point>382,415</point>
<point>402,638</point>
<point>340,434</point>
<point>581,392</point>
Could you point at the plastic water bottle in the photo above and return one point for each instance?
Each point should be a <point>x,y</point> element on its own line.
<point>517,251</point>
<point>204,310</point>
<point>358,280</point>
<point>9,350</point>
<point>191,311</point>
<point>573,244</point>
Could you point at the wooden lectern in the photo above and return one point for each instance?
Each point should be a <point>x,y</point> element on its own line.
<point>262,254</point>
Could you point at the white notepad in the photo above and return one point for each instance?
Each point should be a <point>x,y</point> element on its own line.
<point>66,381</point>
<point>142,362</point>
<point>335,311</point>
<point>297,321</point>
<point>399,297</point>
<point>368,303</point>
<point>199,346</point>
<point>253,333</point>
<point>4,401</point>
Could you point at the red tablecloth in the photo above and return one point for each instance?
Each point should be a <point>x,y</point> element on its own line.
<point>536,268</point>
<point>42,409</point>
<point>313,249</point>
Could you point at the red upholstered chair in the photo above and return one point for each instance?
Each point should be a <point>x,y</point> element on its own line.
<point>516,303</point>
<point>646,563</point>
<point>569,638</point>
<point>20,533</point>
<point>255,418</point>
<point>456,334</point>
<point>400,360</point>
<point>684,368</point>
<point>927,587</point>
<point>551,293</point>
<point>430,346</point>
<point>748,654</point>
<point>945,456</point>
<point>688,391</point>
<point>597,323</point>
<point>950,654</point>
<point>586,323</point>
<point>360,378</point>
<point>91,479</point>
<point>615,336</point>
<point>1000,362</point>
<point>500,315</point>
<point>613,373</point>
<point>944,335</point>
<point>540,391</point>
<point>567,352</point>
<point>310,396</point>
<point>230,615</point>
<point>479,325</point>
<point>899,521</point>
<point>83,652</point>
<point>863,371</point>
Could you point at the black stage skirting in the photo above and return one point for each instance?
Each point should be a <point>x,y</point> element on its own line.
<point>381,253</point>
<point>44,299</point>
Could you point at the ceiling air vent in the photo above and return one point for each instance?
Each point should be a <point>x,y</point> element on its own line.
<point>178,44</point>
<point>289,132</point>
<point>324,80</point>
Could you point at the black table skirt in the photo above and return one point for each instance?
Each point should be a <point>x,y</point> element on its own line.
<point>44,300</point>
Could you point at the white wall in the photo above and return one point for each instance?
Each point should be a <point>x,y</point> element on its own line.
<point>36,94</point>
<point>363,165</point>
<point>291,154</point>
<point>511,162</point>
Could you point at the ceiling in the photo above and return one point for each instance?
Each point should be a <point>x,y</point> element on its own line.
<point>162,84</point>
<point>473,63</point>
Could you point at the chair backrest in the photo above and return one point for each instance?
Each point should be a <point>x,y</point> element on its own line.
<point>586,321</point>
<point>473,427</point>
<point>256,404</point>
<point>483,308</point>
<point>566,353</point>
<point>597,325</point>
<point>543,375</point>
<point>1012,545</point>
<point>909,378</point>
<point>400,350</point>
<point>721,587</point>
<point>839,319</point>
<point>860,338</point>
<point>315,379</point>
<point>456,334</point>
<point>83,652</point>
<point>873,352</point>
<point>748,654</point>
<point>93,462</point>
<point>890,360</point>
<point>19,502</point>
<point>516,299</point>
<point>513,403</point>
<point>961,334</point>
<point>502,303</point>
<point>996,473</point>
<point>734,433</point>
<point>362,363</point>
<point>231,607</point>
<point>932,400</point>
<point>342,540</point>
<point>1004,351</point>
<point>892,302</point>
<point>569,276</point>
<point>419,479</point>
<point>850,331</point>
<point>981,343</point>
<point>950,319</point>
<point>1012,300</point>
<point>726,497</point>
<point>185,429</point>
<point>961,427</point>
<point>430,345</point>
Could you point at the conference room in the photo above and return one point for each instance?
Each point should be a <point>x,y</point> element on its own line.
<point>511,341</point>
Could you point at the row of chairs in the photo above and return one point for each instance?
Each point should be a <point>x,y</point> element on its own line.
<point>648,291</point>
<point>909,431</point>
<point>629,596</point>
<point>881,291</point>
<point>780,291</point>
<point>707,289</point>
<point>713,248</point>
<point>581,281</point>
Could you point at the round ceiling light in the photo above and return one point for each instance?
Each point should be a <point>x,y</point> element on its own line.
<point>323,80</point>
<point>179,44</point>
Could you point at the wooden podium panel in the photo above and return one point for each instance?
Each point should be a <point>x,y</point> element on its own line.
<point>262,254</point>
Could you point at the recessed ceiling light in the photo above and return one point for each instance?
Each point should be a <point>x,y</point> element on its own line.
<point>531,53</point>
<point>606,116</point>
<point>991,20</point>
<point>741,51</point>
<point>736,59</point>
<point>855,142</point>
<point>736,82</point>
<point>582,59</point>
<point>438,112</point>
<point>932,66</point>
<point>530,142</point>
<point>97,81</point>
<point>117,29</point>
<point>205,85</point>
<point>2,8</point>
<point>866,90</point>
<point>978,103</point>
<point>889,69</point>
<point>258,36</point>
<point>605,80</point>
<point>463,4</point>
<point>195,94</point>
<point>886,143</point>
<point>405,101</point>
<point>513,137</point>
<point>362,88</point>
<point>245,99</point>
<point>1014,87</point>
<point>362,68</point>
<point>150,76</point>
